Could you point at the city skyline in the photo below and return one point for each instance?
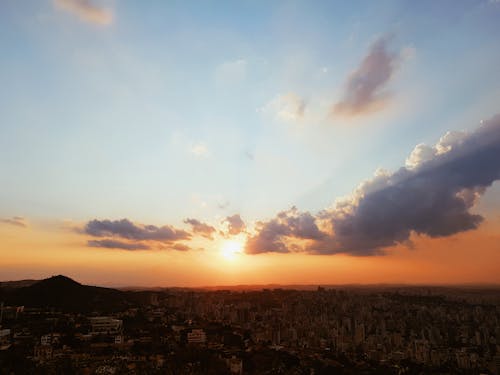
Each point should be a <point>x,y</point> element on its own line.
<point>185,144</point>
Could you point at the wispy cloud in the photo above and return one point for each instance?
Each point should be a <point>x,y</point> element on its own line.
<point>432,195</point>
<point>287,107</point>
<point>199,149</point>
<point>364,89</point>
<point>115,244</point>
<point>17,221</point>
<point>86,10</point>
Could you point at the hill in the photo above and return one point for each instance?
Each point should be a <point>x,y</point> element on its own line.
<point>62,293</point>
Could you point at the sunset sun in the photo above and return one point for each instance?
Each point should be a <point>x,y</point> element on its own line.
<point>231,248</point>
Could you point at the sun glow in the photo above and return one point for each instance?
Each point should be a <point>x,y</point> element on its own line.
<point>231,248</point>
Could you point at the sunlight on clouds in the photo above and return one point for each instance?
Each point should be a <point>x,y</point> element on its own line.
<point>287,107</point>
<point>86,11</point>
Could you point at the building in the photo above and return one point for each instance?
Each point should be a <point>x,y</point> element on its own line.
<point>105,325</point>
<point>196,336</point>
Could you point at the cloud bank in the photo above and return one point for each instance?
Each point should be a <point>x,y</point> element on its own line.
<point>364,88</point>
<point>432,195</point>
<point>86,11</point>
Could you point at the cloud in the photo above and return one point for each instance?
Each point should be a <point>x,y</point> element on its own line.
<point>364,88</point>
<point>271,236</point>
<point>125,229</point>
<point>432,195</point>
<point>15,220</point>
<point>199,149</point>
<point>288,107</point>
<point>201,228</point>
<point>180,247</point>
<point>126,235</point>
<point>86,11</point>
<point>236,225</point>
<point>223,205</point>
<point>114,244</point>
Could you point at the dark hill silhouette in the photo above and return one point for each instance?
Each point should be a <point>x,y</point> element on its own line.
<point>17,283</point>
<point>62,293</point>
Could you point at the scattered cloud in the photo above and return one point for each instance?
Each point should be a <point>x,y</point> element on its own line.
<point>432,195</point>
<point>271,236</point>
<point>125,229</point>
<point>17,221</point>
<point>115,244</point>
<point>200,228</point>
<point>180,247</point>
<point>288,107</point>
<point>364,90</point>
<point>199,149</point>
<point>236,225</point>
<point>86,10</point>
<point>223,204</point>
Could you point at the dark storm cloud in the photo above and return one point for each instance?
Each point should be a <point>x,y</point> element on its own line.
<point>124,228</point>
<point>114,244</point>
<point>363,91</point>
<point>236,225</point>
<point>15,220</point>
<point>432,195</point>
<point>200,228</point>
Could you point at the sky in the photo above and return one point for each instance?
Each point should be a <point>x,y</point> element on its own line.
<point>189,143</point>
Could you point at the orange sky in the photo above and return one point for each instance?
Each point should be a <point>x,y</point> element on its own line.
<point>45,249</point>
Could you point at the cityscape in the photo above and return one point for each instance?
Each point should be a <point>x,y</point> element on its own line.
<point>250,187</point>
<point>300,330</point>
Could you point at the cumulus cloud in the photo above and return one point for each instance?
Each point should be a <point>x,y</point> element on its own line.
<point>272,235</point>
<point>17,221</point>
<point>432,195</point>
<point>200,228</point>
<point>235,223</point>
<point>288,107</point>
<point>125,229</point>
<point>364,90</point>
<point>115,244</point>
<point>86,11</point>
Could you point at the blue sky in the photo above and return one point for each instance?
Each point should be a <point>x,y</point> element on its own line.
<point>172,109</point>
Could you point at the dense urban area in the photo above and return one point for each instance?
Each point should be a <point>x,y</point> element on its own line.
<point>58,326</point>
